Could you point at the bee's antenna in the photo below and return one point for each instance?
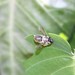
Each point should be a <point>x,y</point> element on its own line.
<point>41,29</point>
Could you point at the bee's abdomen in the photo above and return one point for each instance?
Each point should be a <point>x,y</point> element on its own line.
<point>37,38</point>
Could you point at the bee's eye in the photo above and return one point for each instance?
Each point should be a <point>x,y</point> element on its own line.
<point>50,40</point>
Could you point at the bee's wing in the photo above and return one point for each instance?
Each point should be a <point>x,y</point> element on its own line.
<point>41,29</point>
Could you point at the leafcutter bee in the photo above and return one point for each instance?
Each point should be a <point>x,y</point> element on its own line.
<point>43,40</point>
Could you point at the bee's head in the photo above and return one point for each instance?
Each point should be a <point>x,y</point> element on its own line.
<point>50,40</point>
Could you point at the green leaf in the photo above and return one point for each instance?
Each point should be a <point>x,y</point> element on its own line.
<point>52,60</point>
<point>72,42</point>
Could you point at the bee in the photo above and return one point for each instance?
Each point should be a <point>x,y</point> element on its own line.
<point>43,40</point>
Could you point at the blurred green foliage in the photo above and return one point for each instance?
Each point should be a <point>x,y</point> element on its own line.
<point>20,18</point>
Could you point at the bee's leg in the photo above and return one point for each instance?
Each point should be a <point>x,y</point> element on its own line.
<point>38,46</point>
<point>38,49</point>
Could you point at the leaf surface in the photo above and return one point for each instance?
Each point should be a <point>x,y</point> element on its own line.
<point>52,60</point>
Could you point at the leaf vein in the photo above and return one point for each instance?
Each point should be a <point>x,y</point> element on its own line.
<point>43,61</point>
